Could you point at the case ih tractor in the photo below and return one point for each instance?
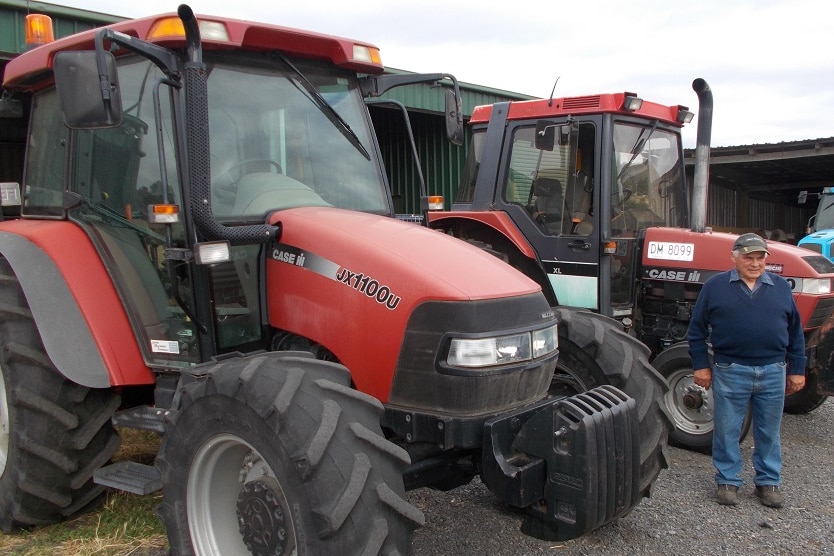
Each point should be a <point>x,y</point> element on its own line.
<point>587,196</point>
<point>206,249</point>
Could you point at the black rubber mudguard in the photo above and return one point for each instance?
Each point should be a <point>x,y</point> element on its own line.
<point>573,463</point>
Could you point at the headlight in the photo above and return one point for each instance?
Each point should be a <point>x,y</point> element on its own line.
<point>545,341</point>
<point>486,352</point>
<point>816,285</point>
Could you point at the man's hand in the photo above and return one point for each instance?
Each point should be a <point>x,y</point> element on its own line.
<point>794,383</point>
<point>703,377</point>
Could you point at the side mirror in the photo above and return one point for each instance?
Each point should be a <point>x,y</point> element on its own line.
<point>803,197</point>
<point>88,89</point>
<point>545,135</point>
<point>454,118</point>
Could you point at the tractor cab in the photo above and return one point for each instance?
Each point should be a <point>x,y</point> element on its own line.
<point>574,181</point>
<point>285,129</point>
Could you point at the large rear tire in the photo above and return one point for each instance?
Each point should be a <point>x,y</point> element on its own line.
<point>53,433</point>
<point>594,350</point>
<point>689,405</point>
<point>276,454</point>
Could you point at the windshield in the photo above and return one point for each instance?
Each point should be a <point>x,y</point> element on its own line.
<point>273,147</point>
<point>825,213</point>
<point>648,186</point>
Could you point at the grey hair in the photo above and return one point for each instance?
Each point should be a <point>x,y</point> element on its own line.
<point>736,253</point>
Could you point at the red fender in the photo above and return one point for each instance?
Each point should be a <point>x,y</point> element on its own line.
<point>498,220</point>
<point>113,350</point>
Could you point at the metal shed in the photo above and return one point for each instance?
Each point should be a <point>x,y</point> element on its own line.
<point>756,187</point>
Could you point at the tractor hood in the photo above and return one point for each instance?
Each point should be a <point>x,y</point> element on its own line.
<point>675,254</point>
<point>357,283</point>
<point>422,263</point>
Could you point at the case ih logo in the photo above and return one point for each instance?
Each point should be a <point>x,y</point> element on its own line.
<point>673,275</point>
<point>291,255</point>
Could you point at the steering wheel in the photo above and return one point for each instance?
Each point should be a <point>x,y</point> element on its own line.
<point>249,161</point>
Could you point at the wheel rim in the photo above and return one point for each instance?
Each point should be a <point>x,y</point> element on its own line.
<point>696,420</point>
<point>235,504</point>
<point>5,424</point>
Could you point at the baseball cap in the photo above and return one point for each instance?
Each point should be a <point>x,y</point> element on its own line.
<point>750,243</point>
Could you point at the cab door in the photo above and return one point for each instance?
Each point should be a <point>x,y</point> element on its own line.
<point>551,194</point>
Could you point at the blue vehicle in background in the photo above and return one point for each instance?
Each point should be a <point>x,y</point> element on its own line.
<point>820,236</point>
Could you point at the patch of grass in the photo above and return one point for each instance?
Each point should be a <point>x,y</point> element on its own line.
<point>125,524</point>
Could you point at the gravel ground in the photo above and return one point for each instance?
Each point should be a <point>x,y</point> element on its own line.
<point>681,517</point>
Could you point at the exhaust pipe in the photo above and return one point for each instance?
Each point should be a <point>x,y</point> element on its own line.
<point>197,137</point>
<point>700,182</point>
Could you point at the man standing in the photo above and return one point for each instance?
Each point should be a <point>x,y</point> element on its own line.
<point>752,323</point>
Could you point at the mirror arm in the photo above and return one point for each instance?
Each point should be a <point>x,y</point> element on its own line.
<point>160,56</point>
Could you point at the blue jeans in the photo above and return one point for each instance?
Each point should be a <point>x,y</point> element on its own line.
<point>734,387</point>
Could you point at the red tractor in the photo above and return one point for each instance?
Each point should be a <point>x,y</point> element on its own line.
<point>206,249</point>
<point>587,196</point>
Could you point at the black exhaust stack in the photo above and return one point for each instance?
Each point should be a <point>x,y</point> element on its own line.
<point>197,138</point>
<point>701,178</point>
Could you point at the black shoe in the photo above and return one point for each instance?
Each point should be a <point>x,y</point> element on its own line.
<point>727,495</point>
<point>770,496</point>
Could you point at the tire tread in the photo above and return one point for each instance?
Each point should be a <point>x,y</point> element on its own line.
<point>60,432</point>
<point>607,354</point>
<point>329,434</point>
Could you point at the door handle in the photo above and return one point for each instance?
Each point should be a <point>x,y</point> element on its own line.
<point>579,244</point>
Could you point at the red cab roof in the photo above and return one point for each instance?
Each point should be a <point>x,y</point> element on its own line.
<point>590,104</point>
<point>33,69</point>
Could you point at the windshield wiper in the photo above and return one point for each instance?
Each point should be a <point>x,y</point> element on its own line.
<point>324,106</point>
<point>638,147</point>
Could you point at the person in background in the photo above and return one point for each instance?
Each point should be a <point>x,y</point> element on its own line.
<point>750,319</point>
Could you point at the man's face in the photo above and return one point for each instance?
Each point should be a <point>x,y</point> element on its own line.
<point>750,265</point>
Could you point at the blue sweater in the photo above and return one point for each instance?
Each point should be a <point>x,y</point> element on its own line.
<point>750,330</point>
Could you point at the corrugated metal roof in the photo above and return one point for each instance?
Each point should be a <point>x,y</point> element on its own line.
<point>425,97</point>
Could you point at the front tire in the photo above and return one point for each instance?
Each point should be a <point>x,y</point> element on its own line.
<point>594,350</point>
<point>53,433</point>
<point>276,454</point>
